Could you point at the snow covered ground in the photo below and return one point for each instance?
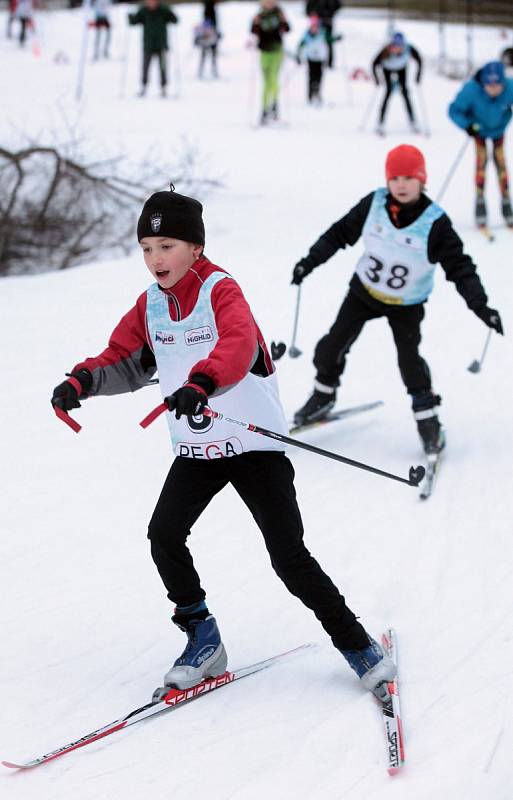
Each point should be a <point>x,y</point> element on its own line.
<point>85,622</point>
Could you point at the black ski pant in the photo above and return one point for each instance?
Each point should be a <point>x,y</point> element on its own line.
<point>264,480</point>
<point>314,79</point>
<point>161,56</point>
<point>332,349</point>
<point>399,76</point>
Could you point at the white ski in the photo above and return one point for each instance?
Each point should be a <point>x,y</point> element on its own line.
<point>391,710</point>
<point>174,699</point>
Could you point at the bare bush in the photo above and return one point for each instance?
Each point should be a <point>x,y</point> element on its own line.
<point>56,207</point>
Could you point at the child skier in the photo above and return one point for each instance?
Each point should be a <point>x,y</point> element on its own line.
<point>268,26</point>
<point>154,17</point>
<point>101,9</point>
<point>405,235</point>
<point>393,61</point>
<point>206,38</point>
<point>314,46</point>
<point>483,109</point>
<point>25,13</point>
<point>194,325</point>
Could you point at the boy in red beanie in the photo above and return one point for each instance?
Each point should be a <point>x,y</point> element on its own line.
<point>194,325</point>
<point>405,235</point>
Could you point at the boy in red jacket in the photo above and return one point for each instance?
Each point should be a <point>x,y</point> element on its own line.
<point>194,325</point>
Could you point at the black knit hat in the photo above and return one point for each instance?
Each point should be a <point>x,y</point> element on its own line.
<point>172,214</point>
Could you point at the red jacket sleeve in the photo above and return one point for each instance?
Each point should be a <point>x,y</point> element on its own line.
<point>128,363</point>
<point>237,347</point>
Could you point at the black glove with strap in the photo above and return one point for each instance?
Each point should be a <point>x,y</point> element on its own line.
<point>191,398</point>
<point>492,318</point>
<point>303,268</point>
<point>473,130</point>
<point>67,394</point>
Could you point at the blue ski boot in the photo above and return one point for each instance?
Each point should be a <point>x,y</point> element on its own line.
<point>203,657</point>
<point>374,668</point>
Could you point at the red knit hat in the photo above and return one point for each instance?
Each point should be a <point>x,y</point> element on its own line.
<point>407,161</point>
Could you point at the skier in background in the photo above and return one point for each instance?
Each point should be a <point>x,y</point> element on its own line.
<point>314,46</point>
<point>206,37</point>
<point>11,16</point>
<point>195,326</point>
<point>482,108</point>
<point>325,10</point>
<point>507,60</point>
<point>405,235</point>
<point>393,61</point>
<point>268,26</point>
<point>24,13</point>
<point>101,9</point>
<point>154,17</point>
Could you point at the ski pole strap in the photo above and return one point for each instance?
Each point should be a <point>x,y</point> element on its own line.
<point>152,416</point>
<point>65,417</point>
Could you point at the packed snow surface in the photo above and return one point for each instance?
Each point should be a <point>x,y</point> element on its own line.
<point>86,634</point>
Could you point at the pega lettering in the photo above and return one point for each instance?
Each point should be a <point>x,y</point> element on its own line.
<point>210,450</point>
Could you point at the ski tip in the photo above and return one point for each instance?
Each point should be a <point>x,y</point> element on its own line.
<point>10,765</point>
<point>416,475</point>
<point>394,771</point>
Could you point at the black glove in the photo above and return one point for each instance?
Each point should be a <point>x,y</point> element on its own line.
<point>67,394</point>
<point>303,268</point>
<point>473,130</point>
<point>492,318</point>
<point>192,397</point>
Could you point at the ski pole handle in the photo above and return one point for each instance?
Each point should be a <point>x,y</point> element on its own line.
<point>65,417</point>
<point>415,475</point>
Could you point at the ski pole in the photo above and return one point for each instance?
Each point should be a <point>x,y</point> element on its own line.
<point>415,475</point>
<point>368,110</point>
<point>125,61</point>
<point>86,6</point>
<point>452,170</point>
<point>423,111</point>
<point>476,365</point>
<point>294,351</point>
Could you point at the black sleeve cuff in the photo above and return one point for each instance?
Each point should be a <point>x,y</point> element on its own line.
<point>203,381</point>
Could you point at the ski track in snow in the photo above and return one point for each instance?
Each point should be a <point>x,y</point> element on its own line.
<point>85,622</point>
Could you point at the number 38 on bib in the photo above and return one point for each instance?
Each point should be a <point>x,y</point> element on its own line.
<point>395,267</point>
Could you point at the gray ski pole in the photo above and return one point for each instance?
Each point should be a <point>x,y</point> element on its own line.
<point>423,111</point>
<point>415,474</point>
<point>125,61</point>
<point>448,177</point>
<point>295,352</point>
<point>476,365</point>
<point>368,110</point>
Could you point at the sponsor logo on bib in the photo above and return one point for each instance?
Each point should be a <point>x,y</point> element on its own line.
<point>165,337</point>
<point>199,335</point>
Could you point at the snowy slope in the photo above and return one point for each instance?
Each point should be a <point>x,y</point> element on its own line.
<point>85,627</point>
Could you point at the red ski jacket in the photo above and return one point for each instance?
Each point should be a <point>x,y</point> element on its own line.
<point>128,363</point>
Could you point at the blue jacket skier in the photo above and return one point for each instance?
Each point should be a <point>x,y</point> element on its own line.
<point>482,108</point>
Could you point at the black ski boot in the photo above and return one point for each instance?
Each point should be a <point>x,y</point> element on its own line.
<point>430,430</point>
<point>507,212</point>
<point>480,212</point>
<point>274,111</point>
<point>316,407</point>
<point>264,118</point>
